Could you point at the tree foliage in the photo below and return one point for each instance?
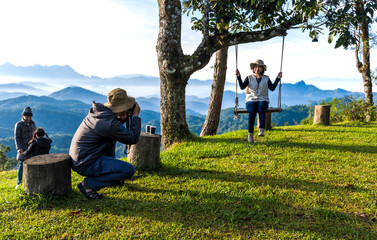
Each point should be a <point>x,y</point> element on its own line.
<point>6,163</point>
<point>248,15</point>
<point>344,19</point>
<point>237,16</point>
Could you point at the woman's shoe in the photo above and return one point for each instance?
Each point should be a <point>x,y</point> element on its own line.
<point>250,138</point>
<point>261,132</point>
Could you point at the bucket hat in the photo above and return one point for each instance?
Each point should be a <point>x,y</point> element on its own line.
<point>118,101</point>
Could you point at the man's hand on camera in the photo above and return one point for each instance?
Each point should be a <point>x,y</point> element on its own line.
<point>137,110</point>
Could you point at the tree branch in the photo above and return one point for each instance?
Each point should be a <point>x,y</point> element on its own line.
<point>204,51</point>
<point>206,20</point>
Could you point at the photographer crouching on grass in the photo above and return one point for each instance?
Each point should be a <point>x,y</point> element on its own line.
<point>93,145</point>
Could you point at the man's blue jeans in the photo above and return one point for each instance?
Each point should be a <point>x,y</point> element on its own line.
<point>107,171</point>
<point>257,107</point>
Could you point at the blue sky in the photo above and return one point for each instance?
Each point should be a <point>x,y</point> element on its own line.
<point>106,38</point>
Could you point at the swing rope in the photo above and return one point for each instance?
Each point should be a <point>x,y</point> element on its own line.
<point>236,99</point>
<point>281,70</point>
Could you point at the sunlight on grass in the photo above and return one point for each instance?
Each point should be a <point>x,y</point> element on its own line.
<point>303,182</point>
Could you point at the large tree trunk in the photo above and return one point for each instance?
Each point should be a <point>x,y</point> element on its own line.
<point>214,108</point>
<point>173,109</point>
<point>172,79</point>
<point>364,68</point>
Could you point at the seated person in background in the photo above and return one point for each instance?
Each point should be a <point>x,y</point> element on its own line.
<point>39,144</point>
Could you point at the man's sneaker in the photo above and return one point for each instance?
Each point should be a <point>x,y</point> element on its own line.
<point>250,138</point>
<point>261,132</point>
<point>17,186</point>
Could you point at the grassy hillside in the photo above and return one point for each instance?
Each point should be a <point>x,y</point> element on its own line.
<point>299,182</point>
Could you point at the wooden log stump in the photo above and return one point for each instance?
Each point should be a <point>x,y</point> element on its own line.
<point>322,114</point>
<point>268,121</point>
<point>146,153</point>
<point>48,174</point>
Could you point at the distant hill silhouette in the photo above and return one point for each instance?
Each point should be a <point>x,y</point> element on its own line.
<point>78,93</point>
<point>38,71</point>
<point>42,103</point>
<point>19,89</point>
<point>7,95</point>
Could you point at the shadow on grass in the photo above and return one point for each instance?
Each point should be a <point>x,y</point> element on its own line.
<point>273,182</point>
<point>290,144</point>
<point>238,215</point>
<point>329,129</point>
<point>313,146</point>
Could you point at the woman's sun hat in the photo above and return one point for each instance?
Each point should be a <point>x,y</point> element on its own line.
<point>258,62</point>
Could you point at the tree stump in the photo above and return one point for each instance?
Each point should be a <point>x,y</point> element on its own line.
<point>268,121</point>
<point>48,174</point>
<point>322,114</point>
<point>146,153</point>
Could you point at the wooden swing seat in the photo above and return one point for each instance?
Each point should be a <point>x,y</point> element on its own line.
<point>270,109</point>
<point>268,126</point>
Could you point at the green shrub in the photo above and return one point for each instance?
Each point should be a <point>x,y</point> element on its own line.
<point>344,109</point>
<point>356,110</point>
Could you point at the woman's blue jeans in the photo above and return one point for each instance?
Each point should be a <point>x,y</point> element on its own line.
<point>20,171</point>
<point>107,171</point>
<point>257,107</point>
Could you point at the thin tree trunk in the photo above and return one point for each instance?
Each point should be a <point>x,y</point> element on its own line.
<point>214,108</point>
<point>364,68</point>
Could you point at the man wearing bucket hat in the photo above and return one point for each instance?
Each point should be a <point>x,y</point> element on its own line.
<point>23,133</point>
<point>257,85</point>
<point>93,145</point>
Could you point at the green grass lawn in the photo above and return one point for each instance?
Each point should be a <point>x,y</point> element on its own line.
<point>298,182</point>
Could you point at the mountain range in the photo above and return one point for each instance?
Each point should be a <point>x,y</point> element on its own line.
<point>45,80</point>
<point>292,94</point>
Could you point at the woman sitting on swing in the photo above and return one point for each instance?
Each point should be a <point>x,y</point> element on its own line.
<point>257,85</point>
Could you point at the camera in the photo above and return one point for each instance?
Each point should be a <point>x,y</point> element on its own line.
<point>131,111</point>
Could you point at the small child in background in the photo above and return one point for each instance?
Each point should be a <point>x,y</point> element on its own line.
<point>39,144</point>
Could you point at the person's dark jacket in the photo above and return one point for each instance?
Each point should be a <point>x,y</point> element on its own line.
<point>97,135</point>
<point>23,133</point>
<point>38,147</point>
